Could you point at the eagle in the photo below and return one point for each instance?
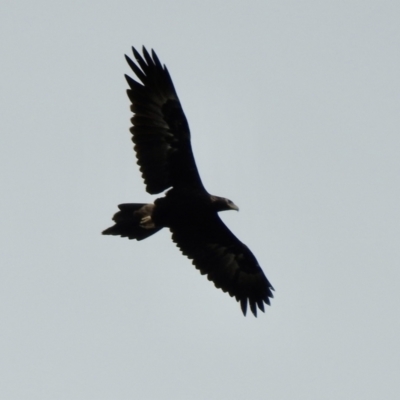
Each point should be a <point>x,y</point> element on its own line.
<point>161,137</point>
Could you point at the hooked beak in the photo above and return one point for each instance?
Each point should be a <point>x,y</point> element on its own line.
<point>234,207</point>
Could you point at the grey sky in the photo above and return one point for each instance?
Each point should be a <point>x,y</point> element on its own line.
<point>294,113</point>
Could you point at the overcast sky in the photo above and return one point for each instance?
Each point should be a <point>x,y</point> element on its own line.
<point>294,112</point>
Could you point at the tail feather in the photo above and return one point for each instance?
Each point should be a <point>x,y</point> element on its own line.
<point>128,222</point>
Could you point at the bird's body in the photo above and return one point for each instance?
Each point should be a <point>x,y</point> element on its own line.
<point>163,149</point>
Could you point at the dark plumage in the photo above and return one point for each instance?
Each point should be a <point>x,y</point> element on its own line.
<point>161,136</point>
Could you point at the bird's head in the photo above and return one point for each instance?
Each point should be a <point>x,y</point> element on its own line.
<point>223,204</point>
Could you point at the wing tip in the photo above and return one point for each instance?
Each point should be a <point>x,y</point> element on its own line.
<point>254,304</point>
<point>243,305</point>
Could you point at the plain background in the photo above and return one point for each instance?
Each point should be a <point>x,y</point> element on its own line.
<point>294,112</point>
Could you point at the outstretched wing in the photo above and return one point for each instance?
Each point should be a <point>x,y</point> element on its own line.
<point>160,130</point>
<point>219,254</point>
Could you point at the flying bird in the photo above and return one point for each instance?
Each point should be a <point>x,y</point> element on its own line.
<point>161,138</point>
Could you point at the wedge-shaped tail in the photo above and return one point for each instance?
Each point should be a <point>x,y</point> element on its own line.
<point>133,221</point>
